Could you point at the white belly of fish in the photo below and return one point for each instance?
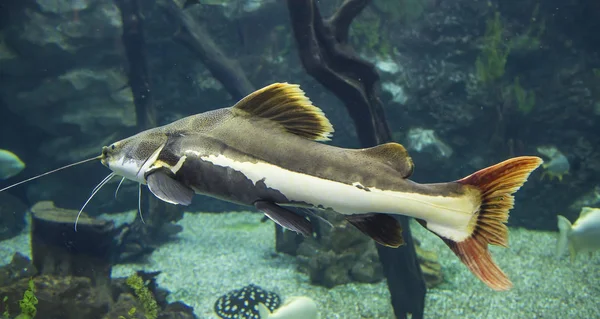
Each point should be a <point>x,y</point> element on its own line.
<point>448,216</point>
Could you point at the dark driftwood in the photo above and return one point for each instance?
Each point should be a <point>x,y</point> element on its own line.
<point>158,214</point>
<point>195,37</point>
<point>134,43</point>
<point>326,55</point>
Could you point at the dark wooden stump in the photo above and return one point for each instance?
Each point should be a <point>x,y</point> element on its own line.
<point>60,251</point>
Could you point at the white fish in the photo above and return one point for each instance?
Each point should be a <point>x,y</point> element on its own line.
<point>583,235</point>
<point>10,164</point>
<point>295,308</point>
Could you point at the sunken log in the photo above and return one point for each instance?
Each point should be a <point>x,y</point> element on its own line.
<point>194,36</point>
<point>327,56</point>
<point>145,235</point>
<point>57,249</point>
<point>135,49</point>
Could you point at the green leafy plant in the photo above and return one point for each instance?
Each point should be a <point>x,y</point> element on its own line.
<point>130,313</point>
<point>525,99</point>
<point>531,39</point>
<point>144,296</point>
<point>28,303</point>
<point>491,62</point>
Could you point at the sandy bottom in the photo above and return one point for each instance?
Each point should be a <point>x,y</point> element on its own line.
<point>217,253</point>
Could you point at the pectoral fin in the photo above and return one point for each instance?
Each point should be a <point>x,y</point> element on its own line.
<point>285,218</point>
<point>383,228</point>
<point>162,184</point>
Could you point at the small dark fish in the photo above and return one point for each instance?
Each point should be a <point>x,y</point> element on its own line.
<point>244,303</point>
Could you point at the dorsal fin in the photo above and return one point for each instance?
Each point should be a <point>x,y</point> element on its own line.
<point>287,105</point>
<point>586,210</point>
<point>394,155</point>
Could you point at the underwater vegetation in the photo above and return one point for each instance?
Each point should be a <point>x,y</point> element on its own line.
<point>144,295</point>
<point>27,304</point>
<point>490,65</point>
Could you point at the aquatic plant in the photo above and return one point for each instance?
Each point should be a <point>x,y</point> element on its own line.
<point>27,304</point>
<point>130,313</point>
<point>144,296</point>
<point>525,99</point>
<point>531,39</point>
<point>366,32</point>
<point>491,62</point>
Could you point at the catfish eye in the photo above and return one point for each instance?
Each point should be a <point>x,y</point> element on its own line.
<point>112,147</point>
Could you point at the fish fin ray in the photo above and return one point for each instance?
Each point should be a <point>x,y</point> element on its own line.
<point>382,228</point>
<point>285,217</point>
<point>394,155</point>
<point>474,253</point>
<point>564,228</point>
<point>496,184</point>
<point>286,105</point>
<point>165,187</point>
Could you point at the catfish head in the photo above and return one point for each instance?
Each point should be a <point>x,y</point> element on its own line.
<point>133,156</point>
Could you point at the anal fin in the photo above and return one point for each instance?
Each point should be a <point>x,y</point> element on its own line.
<point>383,228</point>
<point>285,218</point>
<point>166,188</point>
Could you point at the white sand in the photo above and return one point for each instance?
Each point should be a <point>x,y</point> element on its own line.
<point>217,253</point>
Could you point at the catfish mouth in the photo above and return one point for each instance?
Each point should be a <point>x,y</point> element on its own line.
<point>104,157</point>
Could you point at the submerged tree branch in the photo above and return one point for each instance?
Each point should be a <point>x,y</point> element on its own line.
<point>141,238</point>
<point>195,37</point>
<point>134,43</point>
<point>327,57</point>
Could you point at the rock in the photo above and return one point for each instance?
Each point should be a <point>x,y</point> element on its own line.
<point>59,297</point>
<point>127,300</point>
<point>127,306</point>
<point>341,254</point>
<point>69,33</point>
<point>91,100</point>
<point>19,267</point>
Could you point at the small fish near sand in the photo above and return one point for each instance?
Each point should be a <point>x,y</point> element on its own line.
<point>10,164</point>
<point>581,236</point>
<point>264,152</point>
<point>299,307</point>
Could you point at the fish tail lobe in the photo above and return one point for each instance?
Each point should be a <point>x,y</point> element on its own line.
<point>496,185</point>
<point>564,229</point>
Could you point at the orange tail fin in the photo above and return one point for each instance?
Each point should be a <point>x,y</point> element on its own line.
<point>496,183</point>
